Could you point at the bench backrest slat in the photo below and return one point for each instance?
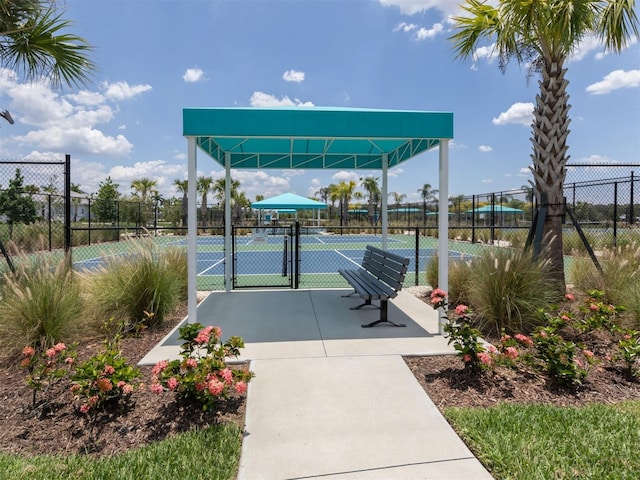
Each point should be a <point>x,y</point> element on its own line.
<point>386,266</point>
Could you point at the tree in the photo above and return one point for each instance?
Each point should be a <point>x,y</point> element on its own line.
<point>183,187</point>
<point>32,42</point>
<point>370,185</point>
<point>427,194</point>
<point>203,185</point>
<point>106,204</point>
<point>144,187</point>
<point>542,35</point>
<point>343,192</point>
<point>15,205</point>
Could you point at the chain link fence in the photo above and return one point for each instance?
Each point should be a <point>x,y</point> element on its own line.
<point>32,205</point>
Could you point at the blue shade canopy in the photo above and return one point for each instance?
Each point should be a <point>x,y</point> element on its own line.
<point>313,137</point>
<point>288,201</point>
<point>497,209</point>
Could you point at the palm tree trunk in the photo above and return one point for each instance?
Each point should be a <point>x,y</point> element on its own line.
<point>550,131</point>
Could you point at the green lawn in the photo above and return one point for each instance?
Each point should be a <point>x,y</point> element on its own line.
<point>545,442</point>
<point>210,454</point>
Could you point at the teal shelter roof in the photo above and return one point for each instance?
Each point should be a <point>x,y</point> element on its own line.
<point>314,137</point>
<point>288,201</point>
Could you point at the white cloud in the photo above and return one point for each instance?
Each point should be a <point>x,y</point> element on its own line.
<point>424,34</point>
<point>259,182</point>
<point>123,91</point>
<point>614,81</point>
<point>486,180</point>
<point>293,76</point>
<point>587,45</point>
<point>526,170</point>
<point>518,113</point>
<point>82,140</point>
<point>345,176</point>
<point>411,7</point>
<point>485,148</point>
<point>405,27</point>
<point>193,75</point>
<point>488,53</point>
<point>85,97</point>
<point>261,99</point>
<point>395,172</point>
<point>597,159</point>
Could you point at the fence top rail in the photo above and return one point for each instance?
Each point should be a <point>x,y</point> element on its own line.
<point>30,162</point>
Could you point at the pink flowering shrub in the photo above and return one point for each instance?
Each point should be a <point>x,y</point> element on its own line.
<point>461,333</point>
<point>629,352</point>
<point>46,368</point>
<point>104,380</point>
<point>202,374</point>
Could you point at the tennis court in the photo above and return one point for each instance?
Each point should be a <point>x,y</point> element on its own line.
<point>272,258</point>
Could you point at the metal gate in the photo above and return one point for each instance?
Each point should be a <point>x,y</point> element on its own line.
<point>265,256</point>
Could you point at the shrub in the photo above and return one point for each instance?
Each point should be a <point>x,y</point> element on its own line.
<point>41,303</point>
<point>620,278</point>
<point>458,279</point>
<point>104,380</point>
<point>506,288</point>
<point>202,375</point>
<point>46,368</point>
<point>141,287</point>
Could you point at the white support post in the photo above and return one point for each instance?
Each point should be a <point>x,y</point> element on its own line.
<point>192,232</point>
<point>227,222</point>
<point>385,225</point>
<point>443,226</point>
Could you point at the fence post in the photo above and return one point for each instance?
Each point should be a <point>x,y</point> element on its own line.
<point>49,220</point>
<point>417,254</point>
<point>632,217</point>
<point>615,214</point>
<point>67,203</point>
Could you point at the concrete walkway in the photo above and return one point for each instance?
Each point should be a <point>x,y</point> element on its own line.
<point>330,399</point>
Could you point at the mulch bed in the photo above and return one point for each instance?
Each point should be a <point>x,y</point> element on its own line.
<point>60,429</point>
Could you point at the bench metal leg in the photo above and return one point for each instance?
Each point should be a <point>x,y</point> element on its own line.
<point>383,317</point>
<point>367,302</point>
<point>350,295</point>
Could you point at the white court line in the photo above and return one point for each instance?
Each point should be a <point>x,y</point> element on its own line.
<point>318,239</point>
<point>343,255</point>
<point>212,266</point>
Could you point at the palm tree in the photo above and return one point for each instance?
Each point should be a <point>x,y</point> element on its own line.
<point>183,187</point>
<point>370,185</point>
<point>219,187</point>
<point>344,190</point>
<point>32,43</point>
<point>144,187</point>
<point>542,35</point>
<point>204,186</point>
<point>397,198</point>
<point>427,194</point>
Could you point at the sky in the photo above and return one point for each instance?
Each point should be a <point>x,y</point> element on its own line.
<point>156,57</point>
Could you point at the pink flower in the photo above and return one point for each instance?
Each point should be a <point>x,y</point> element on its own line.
<point>504,338</point>
<point>84,408</point>
<point>104,385</point>
<point>466,358</point>
<point>240,387</point>
<point>192,363</point>
<point>523,339</point>
<point>172,383</point>
<point>69,360</point>
<point>159,367</point>
<point>203,335</point>
<point>109,370</point>
<point>93,400</point>
<point>593,307</point>
<point>127,389</point>
<point>493,349</point>
<point>577,362</point>
<point>484,358</point>
<point>157,388</point>
<point>28,351</point>
<point>438,293</point>
<point>436,300</point>
<point>215,387</point>
<point>51,352</point>
<point>565,318</point>
<point>75,388</point>
<point>200,386</point>
<point>511,352</point>
<point>587,353</point>
<point>461,310</point>
<point>59,347</point>
<point>226,375</point>
<point>570,297</point>
<point>543,334</point>
<point>626,336</point>
<point>217,332</point>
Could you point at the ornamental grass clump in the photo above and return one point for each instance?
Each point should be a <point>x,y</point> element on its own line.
<point>506,289</point>
<point>202,375</point>
<point>42,303</point>
<point>143,286</point>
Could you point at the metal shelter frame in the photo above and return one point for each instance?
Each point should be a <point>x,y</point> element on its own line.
<point>312,138</point>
